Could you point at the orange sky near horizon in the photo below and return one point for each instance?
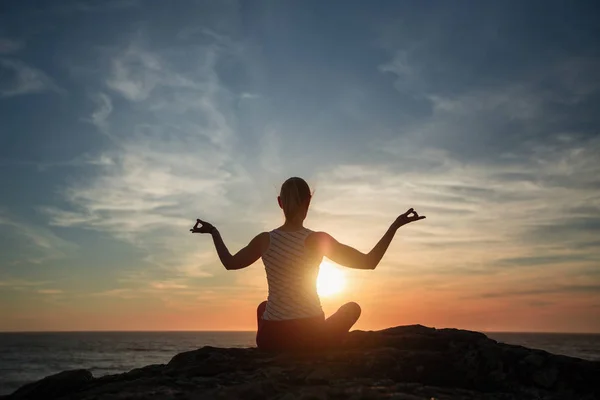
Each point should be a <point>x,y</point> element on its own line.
<point>417,282</point>
<point>384,302</point>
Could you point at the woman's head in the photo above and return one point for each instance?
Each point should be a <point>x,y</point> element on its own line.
<point>294,198</point>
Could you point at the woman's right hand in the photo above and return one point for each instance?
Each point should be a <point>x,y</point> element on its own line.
<point>204,228</point>
<point>408,217</point>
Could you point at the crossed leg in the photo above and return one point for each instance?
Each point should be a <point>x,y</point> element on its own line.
<point>335,327</point>
<point>260,311</point>
<point>340,322</point>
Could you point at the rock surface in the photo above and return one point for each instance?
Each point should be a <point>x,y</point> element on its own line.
<point>402,363</point>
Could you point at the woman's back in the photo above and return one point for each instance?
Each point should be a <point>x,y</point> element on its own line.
<point>291,276</point>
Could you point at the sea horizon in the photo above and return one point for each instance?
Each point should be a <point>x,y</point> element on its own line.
<point>250,330</point>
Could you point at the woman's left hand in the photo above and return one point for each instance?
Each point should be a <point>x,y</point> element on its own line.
<point>410,216</point>
<point>204,228</point>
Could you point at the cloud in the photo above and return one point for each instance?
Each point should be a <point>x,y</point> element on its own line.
<point>508,180</point>
<point>136,73</point>
<point>8,46</point>
<point>88,6</point>
<point>400,67</point>
<point>21,283</point>
<point>557,289</point>
<point>513,102</point>
<point>535,210</point>
<point>544,260</point>
<point>41,243</point>
<point>168,285</point>
<point>172,159</point>
<point>124,293</point>
<point>270,152</point>
<point>49,291</point>
<point>99,117</point>
<point>486,115</point>
<point>135,82</point>
<point>249,96</point>
<point>84,160</point>
<point>20,79</point>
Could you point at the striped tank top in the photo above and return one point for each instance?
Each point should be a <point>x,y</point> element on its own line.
<point>291,277</point>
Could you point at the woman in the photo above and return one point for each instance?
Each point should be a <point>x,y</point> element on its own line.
<point>292,317</point>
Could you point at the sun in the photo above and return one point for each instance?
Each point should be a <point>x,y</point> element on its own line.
<point>330,280</point>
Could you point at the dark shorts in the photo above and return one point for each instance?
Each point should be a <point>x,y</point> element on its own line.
<point>293,334</point>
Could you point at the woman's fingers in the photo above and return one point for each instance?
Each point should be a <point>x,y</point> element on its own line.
<point>204,223</point>
<point>204,227</point>
<point>195,229</point>
<point>415,216</point>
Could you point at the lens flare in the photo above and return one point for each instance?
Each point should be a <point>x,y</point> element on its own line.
<point>330,281</point>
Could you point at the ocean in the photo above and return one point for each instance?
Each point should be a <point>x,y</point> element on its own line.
<point>26,357</point>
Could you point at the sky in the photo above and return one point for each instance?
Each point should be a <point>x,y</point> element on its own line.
<point>122,121</point>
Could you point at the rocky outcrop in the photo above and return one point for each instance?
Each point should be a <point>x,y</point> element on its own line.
<point>405,362</point>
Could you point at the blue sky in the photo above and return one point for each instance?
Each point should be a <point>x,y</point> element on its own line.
<point>122,121</point>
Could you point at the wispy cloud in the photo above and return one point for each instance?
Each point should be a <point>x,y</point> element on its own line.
<point>249,96</point>
<point>84,160</point>
<point>499,173</point>
<point>99,117</point>
<point>42,243</point>
<point>136,73</point>
<point>21,283</point>
<point>404,72</point>
<point>87,6</point>
<point>489,131</point>
<point>270,151</point>
<point>123,293</point>
<point>9,46</point>
<point>49,291</point>
<point>567,290</point>
<point>470,204</point>
<point>20,78</point>
<point>163,169</point>
<point>168,285</point>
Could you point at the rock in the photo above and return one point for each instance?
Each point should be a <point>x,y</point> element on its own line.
<point>534,359</point>
<point>545,377</point>
<point>319,375</point>
<point>54,386</point>
<point>404,362</point>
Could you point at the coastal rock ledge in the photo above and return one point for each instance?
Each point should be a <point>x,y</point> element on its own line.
<point>402,363</point>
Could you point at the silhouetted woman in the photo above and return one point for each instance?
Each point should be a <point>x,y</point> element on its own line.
<point>292,317</point>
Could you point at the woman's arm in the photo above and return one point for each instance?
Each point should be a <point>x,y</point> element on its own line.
<point>243,258</point>
<point>348,256</point>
